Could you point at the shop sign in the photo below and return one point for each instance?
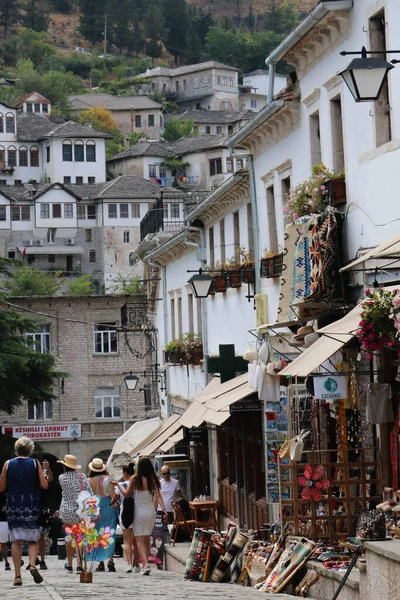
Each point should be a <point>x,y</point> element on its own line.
<point>44,432</point>
<point>197,433</point>
<point>246,405</point>
<point>330,388</point>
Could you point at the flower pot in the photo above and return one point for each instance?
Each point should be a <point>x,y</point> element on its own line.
<point>220,283</point>
<point>234,279</point>
<point>197,355</point>
<point>86,577</point>
<point>248,274</point>
<point>336,191</point>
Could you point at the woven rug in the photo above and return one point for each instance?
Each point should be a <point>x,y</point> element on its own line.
<point>225,562</point>
<point>326,280</point>
<point>192,552</point>
<point>292,234</point>
<point>200,554</point>
<point>302,266</point>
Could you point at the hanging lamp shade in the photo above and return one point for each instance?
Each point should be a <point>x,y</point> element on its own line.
<point>200,284</point>
<point>365,77</point>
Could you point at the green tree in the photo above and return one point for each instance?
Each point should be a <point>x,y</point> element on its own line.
<point>122,285</point>
<point>91,20</point>
<point>175,130</point>
<point>36,46</point>
<point>154,30</point>
<point>10,13</point>
<point>35,18</point>
<point>24,373</point>
<point>80,286</point>
<point>25,281</point>
<point>134,137</point>
<point>176,25</point>
<point>250,19</point>
<point>282,17</point>
<point>63,6</point>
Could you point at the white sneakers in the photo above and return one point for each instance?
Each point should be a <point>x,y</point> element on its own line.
<point>136,569</point>
<point>129,569</point>
<point>132,569</point>
<point>146,570</point>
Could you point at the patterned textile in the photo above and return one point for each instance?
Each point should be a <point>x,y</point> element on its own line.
<point>326,282</point>
<point>379,403</point>
<point>23,503</point>
<point>226,562</point>
<point>192,552</point>
<point>200,554</point>
<point>291,237</point>
<point>302,266</point>
<point>237,566</point>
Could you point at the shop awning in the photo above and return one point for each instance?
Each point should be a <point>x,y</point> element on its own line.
<point>389,248</point>
<point>51,250</point>
<point>174,439</point>
<point>154,442</point>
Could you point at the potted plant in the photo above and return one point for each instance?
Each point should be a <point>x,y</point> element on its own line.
<point>379,325</point>
<point>311,196</point>
<point>173,351</point>
<point>220,277</point>
<point>247,265</point>
<point>271,264</point>
<point>193,348</point>
<point>233,272</point>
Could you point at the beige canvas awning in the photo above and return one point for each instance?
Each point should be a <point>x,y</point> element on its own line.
<point>389,248</point>
<point>174,439</point>
<point>168,429</point>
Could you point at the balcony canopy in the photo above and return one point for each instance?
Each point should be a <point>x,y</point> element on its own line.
<point>51,249</point>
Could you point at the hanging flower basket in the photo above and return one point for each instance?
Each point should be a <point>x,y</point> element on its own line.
<point>233,278</point>
<point>380,320</point>
<point>249,273</point>
<point>220,282</point>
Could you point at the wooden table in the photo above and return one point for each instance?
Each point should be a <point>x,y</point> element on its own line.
<point>203,505</point>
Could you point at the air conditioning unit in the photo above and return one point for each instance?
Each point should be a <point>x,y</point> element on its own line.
<point>70,241</point>
<point>28,243</point>
<point>39,242</point>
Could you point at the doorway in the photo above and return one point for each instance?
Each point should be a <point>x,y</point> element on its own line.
<point>70,264</point>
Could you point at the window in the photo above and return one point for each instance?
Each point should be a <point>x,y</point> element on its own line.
<point>2,157</point>
<point>91,211</point>
<point>164,87</point>
<point>23,156</point>
<point>79,151</point>
<point>211,247</point>
<point>219,79</point>
<point>239,163</point>
<point>40,411</point>
<point>10,124</point>
<point>126,237</point>
<point>51,258</point>
<point>3,215</point>
<point>215,166</point>
<point>138,121</point>
<point>150,120</point>
<point>56,211</point>
<point>67,179</point>
<point>136,210</point>
<point>271,219</point>
<point>172,318</point>
<point>29,107</point>
<point>3,181</point>
<point>105,339</point>
<point>222,240</point>
<point>68,211</point>
<point>208,129</point>
<point>40,340</point>
<point>20,213</point>
<point>224,81</point>
<point>1,123</point>
<point>81,210</point>
<point>51,236</point>
<point>45,211</point>
<point>195,128</point>
<point>175,210</point>
<point>107,403</point>
<point>230,81</point>
<point>253,103</point>
<point>67,151</point>
<point>180,324</point>
<point>226,105</point>
<point>88,235</point>
<point>31,259</point>
<point>12,156</point>
<point>92,256</point>
<point>163,172</point>
<point>381,109</point>
<point>37,107</point>
<point>229,165</point>
<point>153,171</point>
<point>91,180</point>
<point>337,134</point>
<point>184,84</point>
<point>219,129</point>
<point>177,86</point>
<point>112,211</point>
<point>230,129</point>
<point>11,254</point>
<point>315,140</point>
<point>45,108</point>
<point>124,211</point>
<point>236,233</point>
<point>90,153</point>
<point>18,182</point>
<point>285,187</point>
<point>48,153</point>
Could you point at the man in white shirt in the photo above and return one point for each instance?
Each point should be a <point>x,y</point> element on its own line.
<point>170,491</point>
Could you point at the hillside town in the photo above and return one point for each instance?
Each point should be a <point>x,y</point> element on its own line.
<point>200,303</point>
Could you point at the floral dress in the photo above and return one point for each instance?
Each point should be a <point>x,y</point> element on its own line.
<point>23,504</point>
<point>72,484</point>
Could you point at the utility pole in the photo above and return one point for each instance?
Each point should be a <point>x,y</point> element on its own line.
<point>105,36</point>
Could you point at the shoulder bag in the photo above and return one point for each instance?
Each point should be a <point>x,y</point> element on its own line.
<point>128,510</point>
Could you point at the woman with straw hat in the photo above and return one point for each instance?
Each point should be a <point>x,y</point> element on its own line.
<point>101,486</point>
<point>72,484</point>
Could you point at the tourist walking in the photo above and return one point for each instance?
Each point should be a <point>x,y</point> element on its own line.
<point>56,531</point>
<point>130,545</point>
<point>4,533</point>
<point>23,478</point>
<point>101,485</point>
<point>72,484</point>
<point>170,490</point>
<point>145,488</point>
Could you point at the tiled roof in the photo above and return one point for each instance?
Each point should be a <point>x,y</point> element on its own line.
<point>132,186</point>
<point>213,116</point>
<point>291,92</point>
<point>32,127</point>
<point>185,145</point>
<point>257,72</point>
<point>37,96</point>
<point>81,101</point>
<point>210,64</point>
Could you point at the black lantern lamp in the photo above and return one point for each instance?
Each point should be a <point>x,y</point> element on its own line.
<point>131,382</point>
<point>365,76</point>
<point>201,284</point>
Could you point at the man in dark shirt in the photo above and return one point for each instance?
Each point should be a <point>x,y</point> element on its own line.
<point>4,533</point>
<point>56,531</point>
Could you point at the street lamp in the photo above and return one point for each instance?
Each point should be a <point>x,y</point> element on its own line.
<point>365,76</point>
<point>201,284</point>
<point>131,382</point>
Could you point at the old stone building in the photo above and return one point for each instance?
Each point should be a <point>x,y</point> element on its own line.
<point>92,405</point>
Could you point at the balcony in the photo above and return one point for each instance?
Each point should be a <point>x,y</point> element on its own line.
<point>163,216</point>
<point>7,167</point>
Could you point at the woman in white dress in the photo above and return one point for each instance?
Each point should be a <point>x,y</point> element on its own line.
<point>145,488</point>
<point>130,546</point>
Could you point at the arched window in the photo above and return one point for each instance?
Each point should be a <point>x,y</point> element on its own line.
<point>79,151</point>
<point>2,157</point>
<point>10,123</point>
<point>90,151</point>
<point>12,156</point>
<point>1,123</point>
<point>67,151</point>
<point>34,156</point>
<point>23,156</point>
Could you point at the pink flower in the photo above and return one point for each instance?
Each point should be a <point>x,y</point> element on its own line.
<point>323,187</point>
<point>295,215</point>
<point>315,189</point>
<point>370,356</point>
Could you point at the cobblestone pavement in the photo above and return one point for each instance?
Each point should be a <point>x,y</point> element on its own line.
<point>59,585</point>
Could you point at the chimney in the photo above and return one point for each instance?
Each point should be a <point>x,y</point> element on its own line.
<point>88,124</point>
<point>126,144</point>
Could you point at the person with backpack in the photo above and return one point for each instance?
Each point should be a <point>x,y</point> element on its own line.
<point>130,546</point>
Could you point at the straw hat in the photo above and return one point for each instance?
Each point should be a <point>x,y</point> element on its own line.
<point>310,338</point>
<point>70,461</point>
<point>97,465</point>
<point>302,332</point>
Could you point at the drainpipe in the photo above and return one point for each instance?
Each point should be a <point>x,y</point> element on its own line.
<point>254,215</point>
<point>271,81</point>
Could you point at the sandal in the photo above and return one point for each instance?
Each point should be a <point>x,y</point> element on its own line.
<point>37,578</point>
<point>17,580</point>
<point>111,566</point>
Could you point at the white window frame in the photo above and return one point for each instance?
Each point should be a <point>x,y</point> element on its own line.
<point>68,210</point>
<point>104,338</point>
<point>47,410</point>
<point>175,210</point>
<point>41,340</point>
<point>124,214</point>
<point>126,237</point>
<point>115,214</point>
<point>44,211</point>
<point>135,210</point>
<point>107,395</point>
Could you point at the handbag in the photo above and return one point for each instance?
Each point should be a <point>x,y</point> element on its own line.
<point>45,516</point>
<point>128,511</point>
<point>297,445</point>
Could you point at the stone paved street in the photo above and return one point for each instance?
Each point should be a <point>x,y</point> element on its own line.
<point>59,585</point>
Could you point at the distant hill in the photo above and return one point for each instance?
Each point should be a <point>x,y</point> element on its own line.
<point>234,8</point>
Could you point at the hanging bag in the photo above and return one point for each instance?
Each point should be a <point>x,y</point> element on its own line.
<point>128,511</point>
<point>297,445</point>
